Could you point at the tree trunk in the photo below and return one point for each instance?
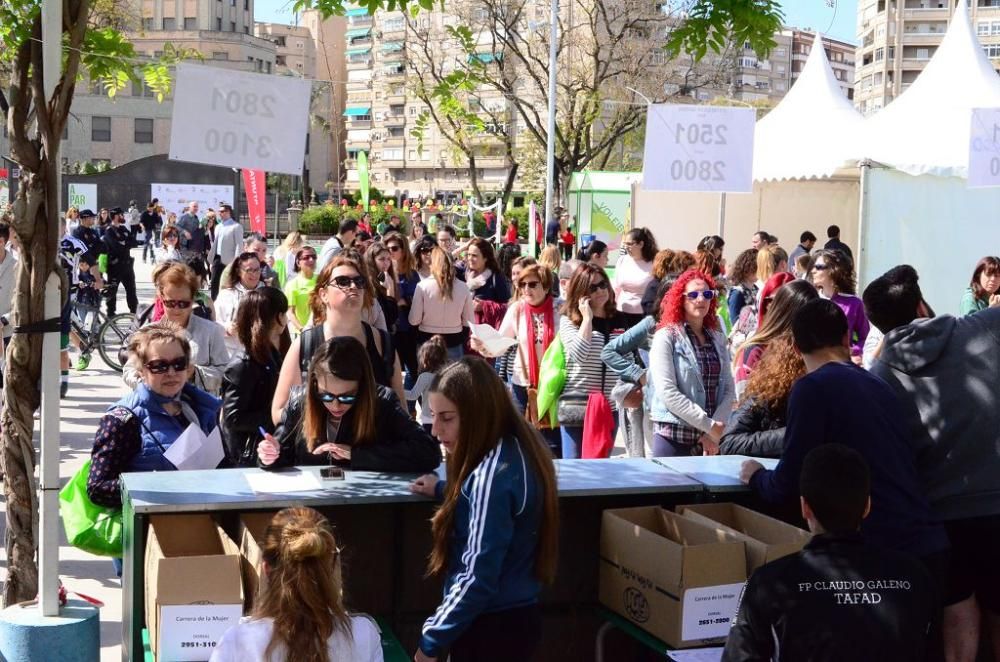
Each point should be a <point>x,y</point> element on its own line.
<point>36,222</point>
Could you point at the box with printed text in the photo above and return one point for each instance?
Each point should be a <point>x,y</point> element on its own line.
<point>253,526</point>
<point>194,592</point>
<point>766,538</point>
<point>678,579</point>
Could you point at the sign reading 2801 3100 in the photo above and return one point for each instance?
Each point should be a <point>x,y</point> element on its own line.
<point>240,119</point>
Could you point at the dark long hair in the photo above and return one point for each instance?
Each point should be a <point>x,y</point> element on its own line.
<point>236,270</point>
<point>259,309</point>
<point>649,248</point>
<point>591,250</point>
<point>579,287</point>
<point>407,261</point>
<point>990,265</point>
<point>487,415</point>
<point>345,358</point>
<point>489,255</point>
<point>841,270</point>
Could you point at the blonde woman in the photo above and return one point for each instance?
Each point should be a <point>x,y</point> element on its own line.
<point>551,260</point>
<point>284,257</point>
<point>443,305</point>
<point>301,605</point>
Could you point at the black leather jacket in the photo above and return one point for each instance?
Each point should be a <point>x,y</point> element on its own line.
<point>401,444</point>
<point>247,390</point>
<point>753,430</point>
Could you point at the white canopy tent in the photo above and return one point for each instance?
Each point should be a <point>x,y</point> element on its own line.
<point>813,131</point>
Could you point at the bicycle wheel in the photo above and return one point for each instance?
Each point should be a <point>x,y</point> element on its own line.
<point>112,337</point>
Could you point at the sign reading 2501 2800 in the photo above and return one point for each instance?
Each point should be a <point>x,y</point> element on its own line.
<point>698,148</point>
<point>240,120</point>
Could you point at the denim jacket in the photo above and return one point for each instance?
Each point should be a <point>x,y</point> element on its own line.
<point>679,394</point>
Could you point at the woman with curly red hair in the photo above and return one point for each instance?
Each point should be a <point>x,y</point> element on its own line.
<point>757,427</point>
<point>689,364</point>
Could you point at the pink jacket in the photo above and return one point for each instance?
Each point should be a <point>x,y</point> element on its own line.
<point>432,313</point>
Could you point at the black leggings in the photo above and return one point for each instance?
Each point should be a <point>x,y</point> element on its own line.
<point>500,636</point>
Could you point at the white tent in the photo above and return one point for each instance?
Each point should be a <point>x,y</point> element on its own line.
<point>926,129</point>
<point>813,131</point>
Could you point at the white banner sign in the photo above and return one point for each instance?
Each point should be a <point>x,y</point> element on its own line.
<point>984,148</point>
<point>175,197</point>
<point>240,120</point>
<point>709,610</point>
<point>698,148</point>
<point>82,196</point>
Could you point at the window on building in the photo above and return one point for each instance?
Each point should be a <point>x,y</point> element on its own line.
<point>246,29</point>
<point>232,26</point>
<point>246,5</point>
<point>220,55</point>
<point>982,28</point>
<point>147,24</point>
<point>100,129</point>
<point>393,24</point>
<point>992,50</point>
<point>143,130</point>
<point>190,23</point>
<point>218,23</point>
<point>413,155</point>
<point>879,54</point>
<point>140,89</point>
<point>170,24</point>
<point>779,52</point>
<point>996,28</point>
<point>232,3</point>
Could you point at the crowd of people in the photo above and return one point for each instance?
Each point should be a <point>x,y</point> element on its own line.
<point>363,354</point>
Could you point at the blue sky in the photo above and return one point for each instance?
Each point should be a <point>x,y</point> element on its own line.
<point>814,14</point>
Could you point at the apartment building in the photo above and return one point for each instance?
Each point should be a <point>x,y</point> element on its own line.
<point>899,37</point>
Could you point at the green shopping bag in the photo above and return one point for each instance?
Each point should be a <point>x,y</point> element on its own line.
<point>92,528</point>
<point>551,380</point>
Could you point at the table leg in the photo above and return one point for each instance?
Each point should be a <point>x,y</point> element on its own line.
<point>602,632</point>
<point>133,582</point>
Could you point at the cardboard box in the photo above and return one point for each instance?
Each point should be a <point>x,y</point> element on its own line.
<point>678,579</point>
<point>766,538</point>
<point>193,587</point>
<point>253,526</point>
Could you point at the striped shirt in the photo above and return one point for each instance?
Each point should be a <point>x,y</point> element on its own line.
<point>584,367</point>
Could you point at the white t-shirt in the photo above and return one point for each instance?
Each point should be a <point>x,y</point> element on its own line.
<point>247,642</point>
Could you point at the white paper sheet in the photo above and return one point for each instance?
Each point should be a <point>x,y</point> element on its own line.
<point>713,654</point>
<point>279,482</point>
<point>194,451</point>
<point>496,345</point>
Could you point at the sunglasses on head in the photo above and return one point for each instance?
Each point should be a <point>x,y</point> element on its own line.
<point>344,282</point>
<point>594,287</point>
<point>161,366</point>
<point>344,399</point>
<point>180,304</point>
<point>708,295</point>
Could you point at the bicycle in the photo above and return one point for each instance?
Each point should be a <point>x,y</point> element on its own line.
<point>95,330</point>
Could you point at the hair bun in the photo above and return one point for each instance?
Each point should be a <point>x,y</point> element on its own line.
<point>306,542</point>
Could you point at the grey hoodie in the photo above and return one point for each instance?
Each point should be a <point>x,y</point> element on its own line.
<point>946,371</point>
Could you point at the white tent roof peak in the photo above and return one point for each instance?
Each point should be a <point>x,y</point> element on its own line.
<point>813,130</point>
<point>926,129</point>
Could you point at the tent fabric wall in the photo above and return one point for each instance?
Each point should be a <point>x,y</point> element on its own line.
<point>782,208</point>
<point>933,223</point>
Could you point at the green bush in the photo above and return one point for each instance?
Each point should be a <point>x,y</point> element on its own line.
<point>321,219</point>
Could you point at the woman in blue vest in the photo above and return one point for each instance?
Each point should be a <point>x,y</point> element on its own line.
<point>139,428</point>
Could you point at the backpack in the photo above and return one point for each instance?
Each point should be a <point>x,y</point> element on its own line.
<point>313,337</point>
<point>746,324</point>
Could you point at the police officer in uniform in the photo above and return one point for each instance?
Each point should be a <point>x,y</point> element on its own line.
<point>121,269</point>
<point>87,235</point>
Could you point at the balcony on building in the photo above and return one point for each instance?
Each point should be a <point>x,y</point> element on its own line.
<point>358,117</point>
<point>358,17</point>
<point>929,33</point>
<point>358,37</point>
<point>926,9</point>
<point>394,120</point>
<point>396,95</point>
<point>392,51</point>
<point>359,57</point>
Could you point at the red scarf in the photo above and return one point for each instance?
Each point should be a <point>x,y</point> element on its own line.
<point>548,334</point>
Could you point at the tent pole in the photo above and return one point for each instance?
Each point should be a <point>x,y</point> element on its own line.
<point>722,214</point>
<point>862,254</point>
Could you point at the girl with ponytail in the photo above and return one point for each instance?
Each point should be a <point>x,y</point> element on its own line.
<point>300,604</point>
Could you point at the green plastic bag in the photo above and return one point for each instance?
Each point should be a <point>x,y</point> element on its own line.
<point>92,528</point>
<point>551,380</point>
<point>102,263</point>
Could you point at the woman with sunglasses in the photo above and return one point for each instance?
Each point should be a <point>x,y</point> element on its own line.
<point>300,607</point>
<point>422,255</point>
<point>252,376</point>
<point>780,300</point>
<point>177,288</point>
<point>496,532</point>
<point>404,265</point>
<point>299,289</point>
<point>171,242</point>
<point>833,275</point>
<point>243,277</point>
<point>589,322</point>
<point>634,273</point>
<point>344,417</point>
<point>443,305</point>
<point>137,430</point>
<point>339,301</point>
<point>689,367</point>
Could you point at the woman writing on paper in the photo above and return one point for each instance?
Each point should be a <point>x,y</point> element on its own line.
<point>137,430</point>
<point>343,417</point>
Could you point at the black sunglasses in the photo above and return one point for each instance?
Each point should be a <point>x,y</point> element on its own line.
<point>177,303</point>
<point>594,287</point>
<point>344,282</point>
<point>395,248</point>
<point>160,366</point>
<point>344,399</point>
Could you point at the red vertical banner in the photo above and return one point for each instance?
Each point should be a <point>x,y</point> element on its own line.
<point>254,185</point>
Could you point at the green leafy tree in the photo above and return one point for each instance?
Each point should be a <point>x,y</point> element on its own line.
<point>94,49</point>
